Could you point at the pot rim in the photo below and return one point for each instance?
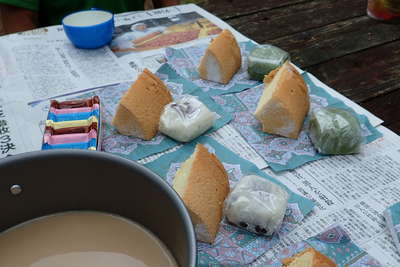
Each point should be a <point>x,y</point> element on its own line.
<point>178,202</point>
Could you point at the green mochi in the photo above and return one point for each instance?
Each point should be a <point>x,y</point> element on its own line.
<point>263,59</point>
<point>335,131</point>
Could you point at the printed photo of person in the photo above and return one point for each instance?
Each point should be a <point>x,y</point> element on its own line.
<point>161,32</point>
<point>138,33</point>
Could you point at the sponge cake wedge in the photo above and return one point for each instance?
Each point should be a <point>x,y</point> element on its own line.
<point>284,103</point>
<point>139,110</point>
<point>308,258</point>
<point>222,59</point>
<point>203,185</point>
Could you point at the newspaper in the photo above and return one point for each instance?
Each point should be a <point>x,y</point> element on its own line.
<point>179,15</point>
<point>185,25</point>
<point>13,137</point>
<point>231,138</point>
<point>37,65</point>
<point>353,191</point>
<point>52,66</point>
<point>60,69</point>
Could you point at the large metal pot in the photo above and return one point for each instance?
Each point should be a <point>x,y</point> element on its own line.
<point>44,182</point>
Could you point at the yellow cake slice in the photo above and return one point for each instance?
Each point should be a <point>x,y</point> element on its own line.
<point>203,185</point>
<point>308,258</point>
<point>222,59</point>
<point>139,110</point>
<point>284,103</point>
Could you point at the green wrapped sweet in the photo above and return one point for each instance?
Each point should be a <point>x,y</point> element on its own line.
<point>263,59</point>
<point>335,131</point>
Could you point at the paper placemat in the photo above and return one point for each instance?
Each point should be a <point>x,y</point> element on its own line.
<point>186,61</point>
<point>283,153</point>
<point>392,217</point>
<point>334,243</point>
<point>136,148</point>
<point>233,246</point>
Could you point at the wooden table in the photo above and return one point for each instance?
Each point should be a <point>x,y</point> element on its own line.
<point>334,40</point>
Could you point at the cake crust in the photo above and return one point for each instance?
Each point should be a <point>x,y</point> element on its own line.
<point>207,186</point>
<point>318,259</point>
<point>139,110</point>
<point>284,112</point>
<point>226,51</point>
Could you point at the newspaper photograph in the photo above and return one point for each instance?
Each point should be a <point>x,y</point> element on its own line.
<point>141,37</point>
<point>157,33</point>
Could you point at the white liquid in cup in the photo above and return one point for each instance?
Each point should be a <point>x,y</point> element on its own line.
<point>87,18</point>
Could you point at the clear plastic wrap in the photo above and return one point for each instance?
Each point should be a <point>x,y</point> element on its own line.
<point>186,119</point>
<point>335,131</point>
<point>265,58</point>
<point>257,205</point>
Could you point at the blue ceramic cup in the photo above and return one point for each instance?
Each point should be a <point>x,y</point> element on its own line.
<point>89,28</point>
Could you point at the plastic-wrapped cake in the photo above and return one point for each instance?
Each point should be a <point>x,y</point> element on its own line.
<point>265,58</point>
<point>186,119</point>
<point>256,204</point>
<point>335,131</point>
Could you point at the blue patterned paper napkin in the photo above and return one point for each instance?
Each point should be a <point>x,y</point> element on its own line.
<point>136,148</point>
<point>279,152</point>
<point>334,243</point>
<point>392,217</point>
<point>186,61</point>
<point>232,246</point>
